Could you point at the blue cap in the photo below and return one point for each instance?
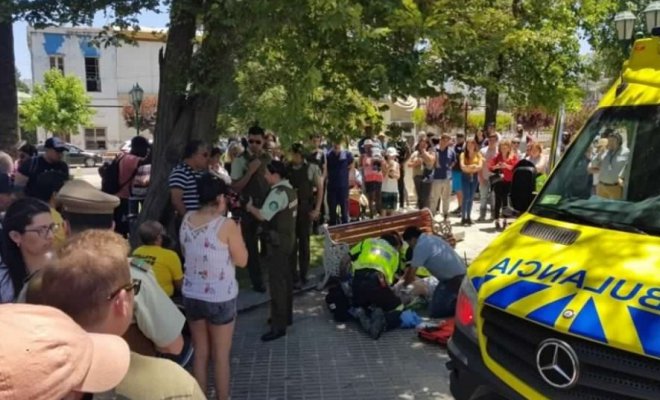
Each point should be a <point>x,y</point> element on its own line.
<point>55,143</point>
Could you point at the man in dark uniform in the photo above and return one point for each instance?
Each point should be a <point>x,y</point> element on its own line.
<point>304,177</point>
<point>279,211</point>
<point>248,179</point>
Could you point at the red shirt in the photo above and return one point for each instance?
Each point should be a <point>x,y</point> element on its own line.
<point>507,172</point>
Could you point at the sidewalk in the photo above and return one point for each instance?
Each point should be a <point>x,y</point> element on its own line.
<point>321,359</point>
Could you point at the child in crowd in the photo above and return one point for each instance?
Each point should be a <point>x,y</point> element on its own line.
<point>165,263</point>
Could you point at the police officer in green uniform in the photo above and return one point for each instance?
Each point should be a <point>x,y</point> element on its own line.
<point>248,179</point>
<point>375,262</point>
<point>279,211</point>
<point>304,177</point>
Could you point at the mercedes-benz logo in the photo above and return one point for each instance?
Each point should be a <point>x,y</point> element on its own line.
<point>557,363</point>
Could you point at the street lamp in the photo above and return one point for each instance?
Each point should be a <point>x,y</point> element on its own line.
<point>624,23</point>
<point>652,14</point>
<point>136,94</point>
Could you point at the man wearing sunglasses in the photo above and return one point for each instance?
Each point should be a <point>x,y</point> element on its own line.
<point>248,179</point>
<point>91,283</point>
<point>51,160</point>
<point>158,321</point>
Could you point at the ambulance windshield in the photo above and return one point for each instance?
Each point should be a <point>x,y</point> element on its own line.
<point>610,175</point>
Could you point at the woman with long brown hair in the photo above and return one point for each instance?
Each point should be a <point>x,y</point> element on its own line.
<point>422,162</point>
<point>471,163</point>
<point>503,164</point>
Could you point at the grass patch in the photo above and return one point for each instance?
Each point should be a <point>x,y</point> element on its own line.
<point>316,261</point>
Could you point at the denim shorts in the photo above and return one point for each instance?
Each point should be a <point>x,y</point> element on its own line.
<point>215,313</point>
<point>456,185</point>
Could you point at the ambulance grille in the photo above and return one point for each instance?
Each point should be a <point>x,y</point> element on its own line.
<point>550,233</point>
<point>605,373</point>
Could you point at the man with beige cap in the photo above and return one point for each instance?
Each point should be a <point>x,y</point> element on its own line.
<point>91,283</point>
<point>159,322</point>
<point>45,355</point>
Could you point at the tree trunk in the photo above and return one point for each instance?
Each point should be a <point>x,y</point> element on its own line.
<point>174,120</point>
<point>492,104</point>
<point>8,99</point>
<point>493,93</point>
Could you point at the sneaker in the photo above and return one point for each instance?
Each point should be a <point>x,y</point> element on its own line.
<point>378,323</point>
<point>498,227</point>
<point>456,211</point>
<point>481,219</point>
<point>469,221</point>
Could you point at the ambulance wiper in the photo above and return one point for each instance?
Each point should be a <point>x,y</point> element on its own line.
<point>624,227</point>
<point>569,216</point>
<point>620,226</point>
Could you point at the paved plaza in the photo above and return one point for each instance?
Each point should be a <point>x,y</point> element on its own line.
<point>320,359</point>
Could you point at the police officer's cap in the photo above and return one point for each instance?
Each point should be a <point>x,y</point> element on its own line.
<point>80,197</point>
<point>277,167</point>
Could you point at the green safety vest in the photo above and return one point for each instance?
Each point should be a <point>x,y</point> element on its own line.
<point>378,255</point>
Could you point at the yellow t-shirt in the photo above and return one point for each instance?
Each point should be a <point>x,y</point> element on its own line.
<point>165,265</point>
<point>59,236</point>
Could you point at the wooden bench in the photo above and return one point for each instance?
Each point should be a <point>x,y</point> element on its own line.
<point>340,238</point>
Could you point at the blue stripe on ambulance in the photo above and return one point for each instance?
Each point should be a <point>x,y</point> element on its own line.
<point>548,313</point>
<point>477,281</point>
<point>506,296</point>
<point>648,330</point>
<point>587,323</point>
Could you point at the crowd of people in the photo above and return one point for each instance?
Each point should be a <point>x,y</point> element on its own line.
<point>255,205</point>
<point>445,165</point>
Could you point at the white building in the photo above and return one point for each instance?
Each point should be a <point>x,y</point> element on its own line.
<point>108,73</point>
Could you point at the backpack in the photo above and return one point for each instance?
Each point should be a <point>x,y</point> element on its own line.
<point>523,185</point>
<point>439,334</point>
<point>109,172</point>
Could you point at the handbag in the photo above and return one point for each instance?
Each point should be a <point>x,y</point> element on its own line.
<point>495,178</point>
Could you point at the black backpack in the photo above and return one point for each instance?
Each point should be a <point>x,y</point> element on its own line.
<point>109,172</point>
<point>523,185</point>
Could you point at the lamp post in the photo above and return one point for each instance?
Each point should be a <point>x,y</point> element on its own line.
<point>625,21</point>
<point>136,94</point>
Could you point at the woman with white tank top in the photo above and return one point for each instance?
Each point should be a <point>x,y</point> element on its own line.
<point>213,247</point>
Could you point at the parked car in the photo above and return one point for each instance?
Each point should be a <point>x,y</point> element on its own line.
<point>76,155</point>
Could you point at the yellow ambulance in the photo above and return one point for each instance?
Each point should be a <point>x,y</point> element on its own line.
<point>565,304</point>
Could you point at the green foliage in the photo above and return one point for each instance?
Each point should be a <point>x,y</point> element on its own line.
<point>418,116</point>
<point>476,121</point>
<point>60,105</point>
<point>526,50</point>
<point>597,17</point>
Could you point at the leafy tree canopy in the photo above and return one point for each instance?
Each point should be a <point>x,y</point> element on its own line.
<point>60,105</point>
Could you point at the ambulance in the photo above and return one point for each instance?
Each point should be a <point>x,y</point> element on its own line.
<point>565,304</point>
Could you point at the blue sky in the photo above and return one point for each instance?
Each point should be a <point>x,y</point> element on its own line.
<point>148,19</point>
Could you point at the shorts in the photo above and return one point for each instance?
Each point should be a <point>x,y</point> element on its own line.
<point>221,313</point>
<point>373,187</point>
<point>456,181</point>
<point>390,201</point>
